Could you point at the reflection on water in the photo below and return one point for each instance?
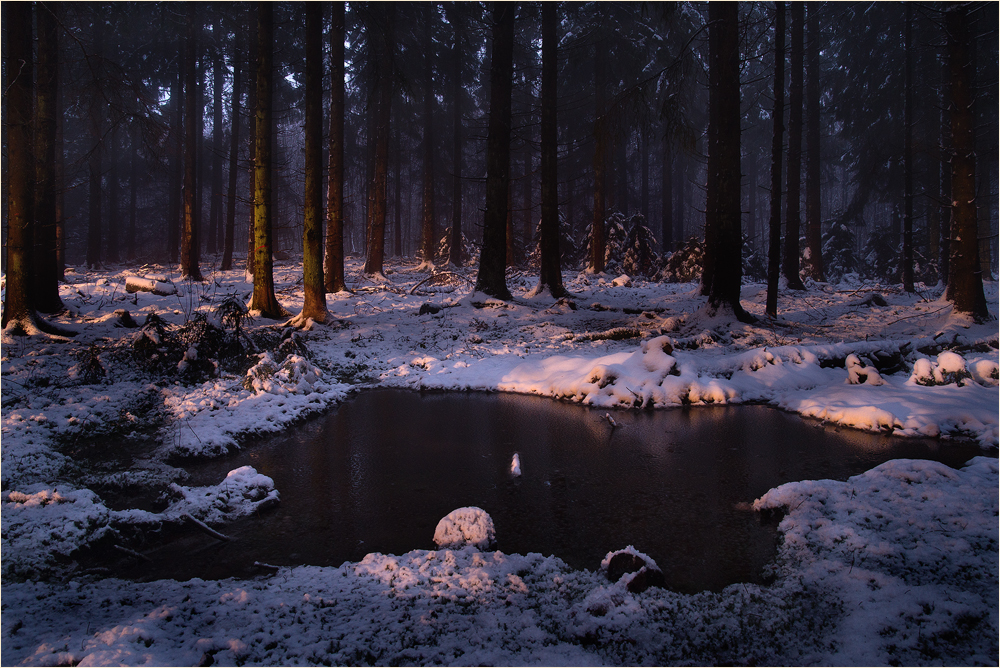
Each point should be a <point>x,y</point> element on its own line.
<point>376,475</point>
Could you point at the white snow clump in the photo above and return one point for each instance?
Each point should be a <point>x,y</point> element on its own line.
<point>859,374</point>
<point>295,375</point>
<point>465,526</point>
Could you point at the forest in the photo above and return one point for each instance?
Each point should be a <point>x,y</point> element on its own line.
<point>222,134</point>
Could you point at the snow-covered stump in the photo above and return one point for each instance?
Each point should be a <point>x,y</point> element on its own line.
<point>163,288</point>
<point>637,571</point>
<point>465,526</point>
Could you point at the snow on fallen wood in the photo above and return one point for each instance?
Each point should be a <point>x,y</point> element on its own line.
<point>136,284</point>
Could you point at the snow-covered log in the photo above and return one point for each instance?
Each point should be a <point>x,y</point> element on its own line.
<point>136,284</point>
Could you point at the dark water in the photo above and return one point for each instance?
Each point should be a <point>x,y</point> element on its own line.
<point>377,473</point>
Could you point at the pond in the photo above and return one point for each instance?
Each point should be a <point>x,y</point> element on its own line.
<point>378,472</point>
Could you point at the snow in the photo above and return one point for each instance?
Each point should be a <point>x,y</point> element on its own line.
<point>898,565</point>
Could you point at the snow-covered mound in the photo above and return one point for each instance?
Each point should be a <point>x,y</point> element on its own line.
<point>465,526</point>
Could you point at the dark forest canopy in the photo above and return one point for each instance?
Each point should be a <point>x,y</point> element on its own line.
<point>155,115</point>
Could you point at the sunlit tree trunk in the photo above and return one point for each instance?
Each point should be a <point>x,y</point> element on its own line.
<point>334,270</point>
<point>46,281</point>
<point>790,263</point>
<point>908,150</point>
<point>550,271</point>
<point>427,196</point>
<point>189,231</point>
<point>263,299</point>
<point>254,57</point>
<point>385,45</point>
<point>965,282</point>
<point>234,148</point>
<point>814,232</point>
<point>777,150</point>
<point>314,305</point>
<point>724,293</point>
<point>492,261</point>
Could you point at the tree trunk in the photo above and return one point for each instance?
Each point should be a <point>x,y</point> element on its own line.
<point>528,234</point>
<point>427,198</point>
<point>334,278</point>
<point>965,283</point>
<point>252,107</point>
<point>397,220</point>
<point>752,200</point>
<point>644,172</point>
<point>215,206</point>
<point>908,150</point>
<point>945,171</point>
<point>597,235</point>
<point>60,175</point>
<point>385,45</point>
<point>724,293</point>
<point>314,305</point>
<point>550,273</point>
<point>234,148</point>
<point>263,299</point>
<point>814,231</point>
<point>133,194</point>
<point>667,197</point>
<point>19,307</point>
<point>46,279</point>
<point>176,163</point>
<point>97,132</point>
<point>777,146</point>
<point>794,174</point>
<point>189,232</point>
<point>455,246</point>
<point>114,224</point>
<point>492,261</point>
<point>712,168</point>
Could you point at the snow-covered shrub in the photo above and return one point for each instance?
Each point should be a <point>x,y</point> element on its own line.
<point>294,375</point>
<point>243,492</point>
<point>569,246</point>
<point>859,373</point>
<point>949,369</point>
<point>754,261</point>
<point>881,256</point>
<point>88,368</point>
<point>465,526</point>
<point>469,252</point>
<point>685,264</point>
<point>639,254</point>
<point>838,251</point>
<point>615,238</point>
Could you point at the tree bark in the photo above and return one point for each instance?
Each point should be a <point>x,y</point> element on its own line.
<point>176,161</point>
<point>550,273</point>
<point>397,189</point>
<point>597,234</point>
<point>965,283</point>
<point>712,168</point>
<point>263,299</point>
<point>254,58</point>
<point>790,265</point>
<point>46,278</point>
<point>667,197</point>
<point>814,231</point>
<point>215,206</point>
<point>189,232</point>
<point>234,147</point>
<point>724,293</point>
<point>97,132</point>
<point>114,224</point>
<point>492,261</point>
<point>334,272</point>
<point>314,305</point>
<point>908,150</point>
<point>385,45</point>
<point>945,170</point>
<point>777,151</point>
<point>455,246</point>
<point>427,196</point>
<point>133,194</point>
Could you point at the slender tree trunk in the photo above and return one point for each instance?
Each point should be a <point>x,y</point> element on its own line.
<point>492,261</point>
<point>526,222</point>
<point>263,299</point>
<point>189,233</point>
<point>19,307</point>
<point>814,231</point>
<point>777,150</point>
<point>790,265</point>
<point>945,170</point>
<point>114,224</point>
<point>314,306</point>
<point>46,280</point>
<point>680,198</point>
<point>334,278</point>
<point>97,132</point>
<point>397,212</point>
<point>385,45</point>
<point>133,186</point>
<point>965,282</point>
<point>725,285</point>
<point>908,150</point>
<point>234,148</point>
<point>597,234</point>
<point>215,206</point>
<point>60,175</point>
<point>644,172</point>
<point>252,106</point>
<point>621,174</point>
<point>712,169</point>
<point>510,225</point>
<point>752,200</point>
<point>550,273</point>
<point>427,197</point>
<point>667,197</point>
<point>176,163</point>
<point>455,246</point>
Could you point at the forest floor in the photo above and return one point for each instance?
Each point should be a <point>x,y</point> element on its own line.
<point>895,566</point>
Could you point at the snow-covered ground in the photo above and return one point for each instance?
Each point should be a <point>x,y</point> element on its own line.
<point>898,565</point>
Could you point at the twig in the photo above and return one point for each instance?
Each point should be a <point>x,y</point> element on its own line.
<point>207,529</point>
<point>133,553</point>
<point>438,275</point>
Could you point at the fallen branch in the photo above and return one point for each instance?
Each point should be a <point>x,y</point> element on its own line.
<point>133,553</point>
<point>260,564</point>
<point>439,275</point>
<point>207,529</point>
<point>615,334</point>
